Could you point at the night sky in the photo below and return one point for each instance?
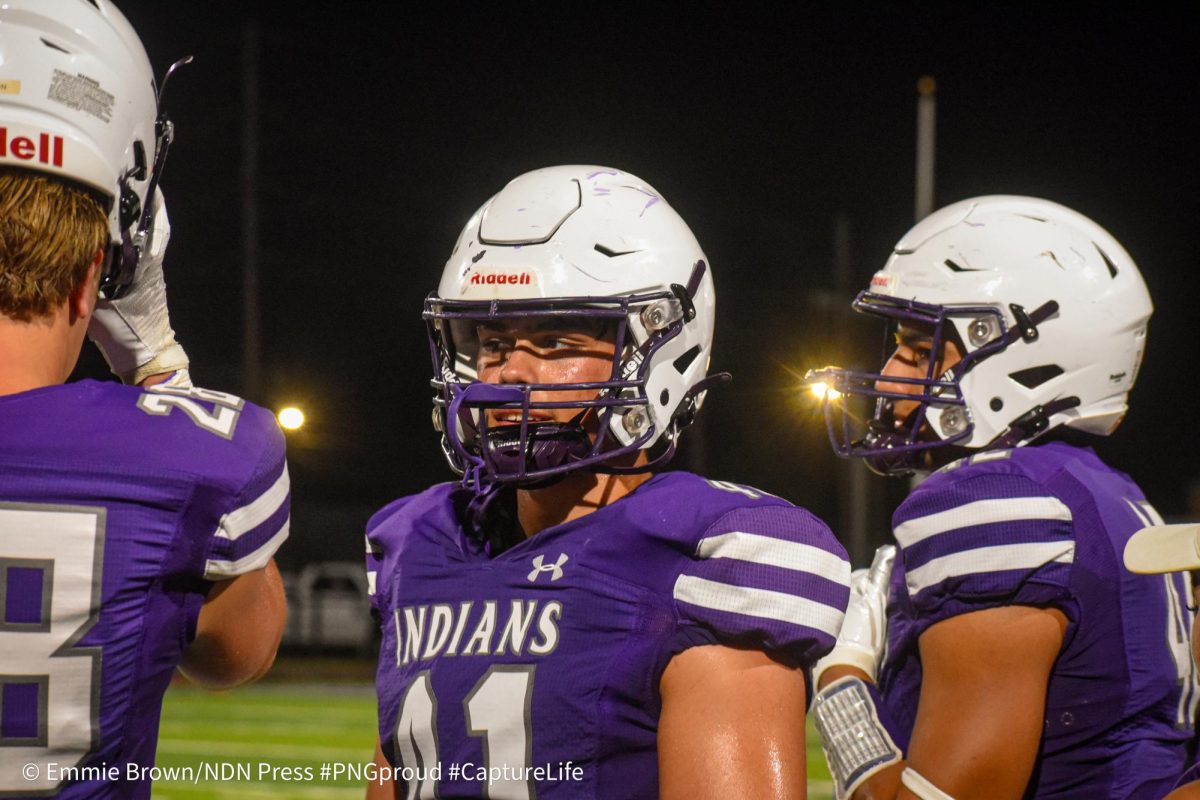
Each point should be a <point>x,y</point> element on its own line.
<point>382,128</point>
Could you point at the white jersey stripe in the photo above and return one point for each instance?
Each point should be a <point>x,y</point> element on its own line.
<point>1145,512</point>
<point>216,570</point>
<point>242,520</point>
<point>981,512</point>
<point>760,549</point>
<point>988,559</point>
<point>761,603</point>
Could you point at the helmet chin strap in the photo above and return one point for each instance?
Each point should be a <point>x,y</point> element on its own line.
<point>1031,424</point>
<point>1023,429</point>
<point>490,518</point>
<point>685,415</point>
<point>894,461</point>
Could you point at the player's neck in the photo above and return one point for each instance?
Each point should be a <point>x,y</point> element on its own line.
<point>577,495</point>
<point>37,353</point>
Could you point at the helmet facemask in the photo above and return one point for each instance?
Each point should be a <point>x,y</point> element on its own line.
<point>135,217</point>
<point>941,423</point>
<point>610,426</point>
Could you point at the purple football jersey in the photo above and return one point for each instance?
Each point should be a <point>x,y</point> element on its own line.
<point>542,665</point>
<point>1047,526</point>
<point>118,509</point>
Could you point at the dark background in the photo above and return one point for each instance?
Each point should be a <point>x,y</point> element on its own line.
<point>382,127</point>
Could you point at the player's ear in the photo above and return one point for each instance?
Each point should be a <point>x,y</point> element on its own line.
<point>82,299</point>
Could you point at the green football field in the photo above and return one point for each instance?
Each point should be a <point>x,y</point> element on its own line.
<point>272,740</point>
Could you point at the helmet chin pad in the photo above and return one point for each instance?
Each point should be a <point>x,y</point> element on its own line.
<point>896,450</point>
<point>889,455</point>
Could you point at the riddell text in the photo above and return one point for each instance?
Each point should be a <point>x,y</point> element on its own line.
<point>47,150</point>
<point>500,277</point>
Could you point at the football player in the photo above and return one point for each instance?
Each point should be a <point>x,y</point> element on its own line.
<point>568,621</point>
<point>1021,659</point>
<point>1162,548</point>
<point>137,522</point>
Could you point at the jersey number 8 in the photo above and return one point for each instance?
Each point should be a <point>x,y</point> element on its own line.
<point>51,559</point>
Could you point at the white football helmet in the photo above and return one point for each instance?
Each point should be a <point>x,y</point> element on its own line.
<point>1047,308</point>
<point>576,241</point>
<point>77,101</point>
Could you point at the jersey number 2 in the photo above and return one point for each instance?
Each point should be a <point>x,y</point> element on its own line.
<point>498,709</point>
<point>51,559</point>
<point>222,420</point>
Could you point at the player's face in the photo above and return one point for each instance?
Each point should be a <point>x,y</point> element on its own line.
<point>545,350</point>
<point>914,349</point>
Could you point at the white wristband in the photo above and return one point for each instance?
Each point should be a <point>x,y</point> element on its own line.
<point>855,740</point>
<point>919,785</point>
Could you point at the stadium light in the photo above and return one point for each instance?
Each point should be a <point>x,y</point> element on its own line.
<point>291,418</point>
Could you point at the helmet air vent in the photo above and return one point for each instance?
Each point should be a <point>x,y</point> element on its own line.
<point>956,267</point>
<point>606,251</point>
<point>1108,262</point>
<point>54,46</point>
<point>139,161</point>
<point>1034,377</point>
<point>684,361</point>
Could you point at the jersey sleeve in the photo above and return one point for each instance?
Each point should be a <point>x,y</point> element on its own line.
<point>377,538</point>
<point>768,577</point>
<point>257,519</point>
<point>992,540</point>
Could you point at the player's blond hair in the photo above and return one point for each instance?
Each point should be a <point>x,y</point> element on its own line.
<point>49,235</point>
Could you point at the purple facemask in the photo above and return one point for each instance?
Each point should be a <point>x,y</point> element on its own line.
<point>520,450</point>
<point>891,449</point>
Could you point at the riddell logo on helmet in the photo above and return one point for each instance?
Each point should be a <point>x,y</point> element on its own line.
<point>883,283</point>
<point>501,278</point>
<point>46,150</point>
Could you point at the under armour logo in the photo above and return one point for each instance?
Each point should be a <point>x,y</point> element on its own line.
<point>539,567</point>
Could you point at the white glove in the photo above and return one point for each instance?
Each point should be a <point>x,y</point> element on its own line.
<point>864,630</point>
<point>134,333</point>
